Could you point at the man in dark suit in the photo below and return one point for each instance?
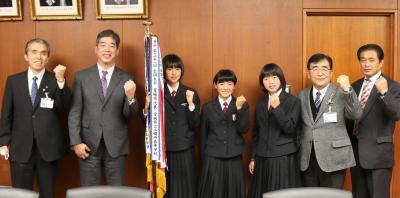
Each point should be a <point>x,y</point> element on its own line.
<point>30,129</point>
<point>372,134</point>
<point>55,2</point>
<point>104,99</point>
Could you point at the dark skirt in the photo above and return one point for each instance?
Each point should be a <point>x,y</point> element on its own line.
<point>222,178</point>
<point>274,173</point>
<point>181,174</point>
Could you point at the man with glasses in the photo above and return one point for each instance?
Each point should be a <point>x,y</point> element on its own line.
<point>325,150</point>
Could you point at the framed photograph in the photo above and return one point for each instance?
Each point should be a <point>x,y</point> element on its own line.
<point>56,9</point>
<point>10,10</point>
<point>121,9</point>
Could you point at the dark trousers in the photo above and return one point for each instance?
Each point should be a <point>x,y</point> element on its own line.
<point>371,183</point>
<point>23,174</point>
<point>91,167</point>
<point>315,177</point>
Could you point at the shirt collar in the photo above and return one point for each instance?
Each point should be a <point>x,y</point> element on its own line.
<point>109,70</point>
<point>170,88</point>
<point>322,91</point>
<point>374,77</point>
<point>221,101</point>
<point>38,75</point>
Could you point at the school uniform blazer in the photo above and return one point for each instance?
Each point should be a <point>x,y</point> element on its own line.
<point>93,116</point>
<point>376,126</point>
<point>21,122</point>
<point>331,142</point>
<point>180,122</point>
<point>222,135</point>
<point>275,132</point>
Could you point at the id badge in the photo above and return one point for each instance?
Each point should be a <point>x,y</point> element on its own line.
<point>46,102</point>
<point>330,116</point>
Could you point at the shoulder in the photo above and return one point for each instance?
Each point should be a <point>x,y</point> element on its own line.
<point>125,75</point>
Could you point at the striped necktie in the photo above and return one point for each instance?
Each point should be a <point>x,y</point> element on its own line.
<point>318,100</point>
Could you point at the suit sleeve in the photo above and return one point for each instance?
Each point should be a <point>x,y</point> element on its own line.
<point>204,130</point>
<point>130,109</point>
<point>7,115</point>
<point>75,114</point>
<point>194,116</point>
<point>288,121</point>
<point>256,132</point>
<point>63,97</point>
<point>352,107</point>
<point>243,119</point>
<point>391,101</point>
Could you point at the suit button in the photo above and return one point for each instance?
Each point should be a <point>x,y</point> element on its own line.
<point>224,131</point>
<point>33,116</point>
<point>173,123</point>
<point>224,142</point>
<point>173,112</point>
<point>103,110</point>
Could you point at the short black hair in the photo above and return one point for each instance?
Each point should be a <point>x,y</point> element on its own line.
<point>271,69</point>
<point>225,75</point>
<point>319,57</point>
<point>108,33</point>
<point>173,61</point>
<point>37,40</point>
<point>373,47</point>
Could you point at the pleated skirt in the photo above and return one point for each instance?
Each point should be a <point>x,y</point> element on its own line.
<point>181,174</point>
<point>274,173</point>
<point>222,178</point>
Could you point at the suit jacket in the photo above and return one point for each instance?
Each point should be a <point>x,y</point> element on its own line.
<point>93,116</point>
<point>374,142</point>
<point>275,132</point>
<point>222,136</point>
<point>331,142</point>
<point>180,122</point>
<point>21,122</point>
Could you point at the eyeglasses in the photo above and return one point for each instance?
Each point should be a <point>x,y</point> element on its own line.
<point>322,69</point>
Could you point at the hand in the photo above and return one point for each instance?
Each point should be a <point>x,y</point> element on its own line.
<point>59,72</point>
<point>344,82</point>
<point>147,104</point>
<point>130,89</point>
<point>274,100</point>
<point>239,102</point>
<point>81,150</point>
<point>4,152</point>
<point>189,97</point>
<point>381,85</point>
<point>251,166</point>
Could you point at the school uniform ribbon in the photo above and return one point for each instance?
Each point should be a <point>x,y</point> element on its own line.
<point>155,131</point>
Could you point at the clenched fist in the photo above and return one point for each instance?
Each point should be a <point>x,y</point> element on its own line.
<point>189,97</point>
<point>59,72</point>
<point>381,85</point>
<point>274,100</point>
<point>239,102</point>
<point>344,82</point>
<point>130,89</point>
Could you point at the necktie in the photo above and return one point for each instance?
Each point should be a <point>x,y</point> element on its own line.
<point>365,93</point>
<point>34,90</point>
<point>318,100</point>
<point>363,101</point>
<point>225,109</point>
<point>104,83</point>
<point>270,108</point>
<point>173,95</point>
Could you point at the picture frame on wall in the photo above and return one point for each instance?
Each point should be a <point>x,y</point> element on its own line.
<point>56,9</point>
<point>121,9</point>
<point>10,10</point>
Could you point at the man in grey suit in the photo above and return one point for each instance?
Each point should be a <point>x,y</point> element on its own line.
<point>103,100</point>
<point>325,150</point>
<point>372,134</point>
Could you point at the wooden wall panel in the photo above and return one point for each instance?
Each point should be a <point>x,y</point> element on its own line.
<point>351,4</point>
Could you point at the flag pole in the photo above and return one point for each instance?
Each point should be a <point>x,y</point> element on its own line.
<point>147,24</point>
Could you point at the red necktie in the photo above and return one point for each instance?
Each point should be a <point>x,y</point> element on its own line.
<point>225,109</point>
<point>270,108</point>
<point>173,95</point>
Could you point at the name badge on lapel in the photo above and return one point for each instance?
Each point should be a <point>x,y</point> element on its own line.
<point>234,117</point>
<point>46,102</point>
<point>330,116</point>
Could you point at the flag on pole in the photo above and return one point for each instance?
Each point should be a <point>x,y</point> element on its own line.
<point>155,132</point>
